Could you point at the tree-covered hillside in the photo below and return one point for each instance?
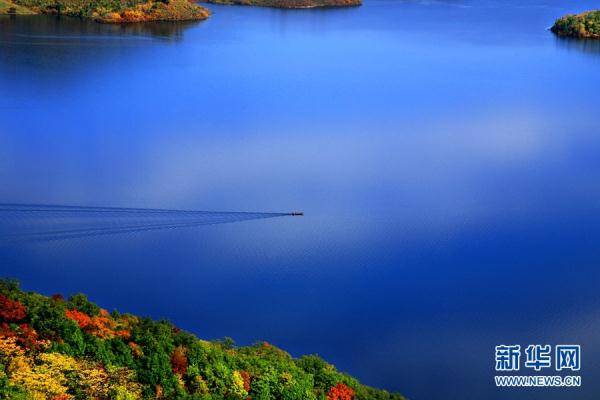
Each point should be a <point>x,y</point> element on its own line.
<point>57,349</point>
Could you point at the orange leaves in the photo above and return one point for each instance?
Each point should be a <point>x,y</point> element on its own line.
<point>82,319</point>
<point>11,310</point>
<point>179,361</point>
<point>123,333</point>
<point>340,392</point>
<point>159,391</point>
<point>136,350</point>
<point>102,325</point>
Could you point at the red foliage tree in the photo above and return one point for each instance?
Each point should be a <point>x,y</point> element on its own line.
<point>82,319</point>
<point>247,380</point>
<point>179,361</point>
<point>340,392</point>
<point>11,310</point>
<point>6,330</point>
<point>27,337</point>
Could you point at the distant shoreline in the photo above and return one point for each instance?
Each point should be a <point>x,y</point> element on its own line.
<point>290,4</point>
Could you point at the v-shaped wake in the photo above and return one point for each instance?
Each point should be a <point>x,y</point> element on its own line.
<point>42,222</point>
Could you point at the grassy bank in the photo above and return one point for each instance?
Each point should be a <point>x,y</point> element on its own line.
<point>585,25</point>
<point>290,3</point>
<point>53,348</point>
<point>110,11</point>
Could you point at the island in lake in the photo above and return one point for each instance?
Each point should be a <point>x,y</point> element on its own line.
<point>52,348</point>
<point>584,26</point>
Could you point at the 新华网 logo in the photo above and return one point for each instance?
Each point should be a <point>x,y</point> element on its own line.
<point>537,357</point>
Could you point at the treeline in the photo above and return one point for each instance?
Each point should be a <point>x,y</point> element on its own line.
<point>53,348</point>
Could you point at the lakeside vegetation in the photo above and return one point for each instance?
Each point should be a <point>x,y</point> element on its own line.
<point>110,11</point>
<point>124,11</point>
<point>53,348</point>
<point>584,26</point>
<point>290,3</point>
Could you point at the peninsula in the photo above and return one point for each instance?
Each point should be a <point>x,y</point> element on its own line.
<point>117,11</point>
<point>583,26</point>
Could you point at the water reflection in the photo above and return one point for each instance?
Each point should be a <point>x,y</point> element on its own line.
<point>79,31</point>
<point>586,46</point>
<point>51,48</point>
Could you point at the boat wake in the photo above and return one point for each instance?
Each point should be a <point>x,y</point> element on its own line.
<point>39,222</point>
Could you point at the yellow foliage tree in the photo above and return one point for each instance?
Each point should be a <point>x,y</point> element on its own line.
<point>48,376</point>
<point>237,386</point>
<point>123,385</point>
<point>9,348</point>
<point>42,381</point>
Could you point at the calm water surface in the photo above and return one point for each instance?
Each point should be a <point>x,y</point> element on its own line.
<point>445,154</point>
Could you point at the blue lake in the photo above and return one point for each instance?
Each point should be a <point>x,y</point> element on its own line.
<point>445,153</point>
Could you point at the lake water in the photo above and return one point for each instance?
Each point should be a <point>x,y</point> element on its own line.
<point>445,153</point>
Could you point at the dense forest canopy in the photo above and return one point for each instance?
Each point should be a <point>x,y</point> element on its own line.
<point>53,348</point>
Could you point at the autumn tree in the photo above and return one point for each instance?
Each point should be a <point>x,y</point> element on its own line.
<point>11,310</point>
<point>340,392</point>
<point>179,360</point>
<point>82,319</point>
<point>247,380</point>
